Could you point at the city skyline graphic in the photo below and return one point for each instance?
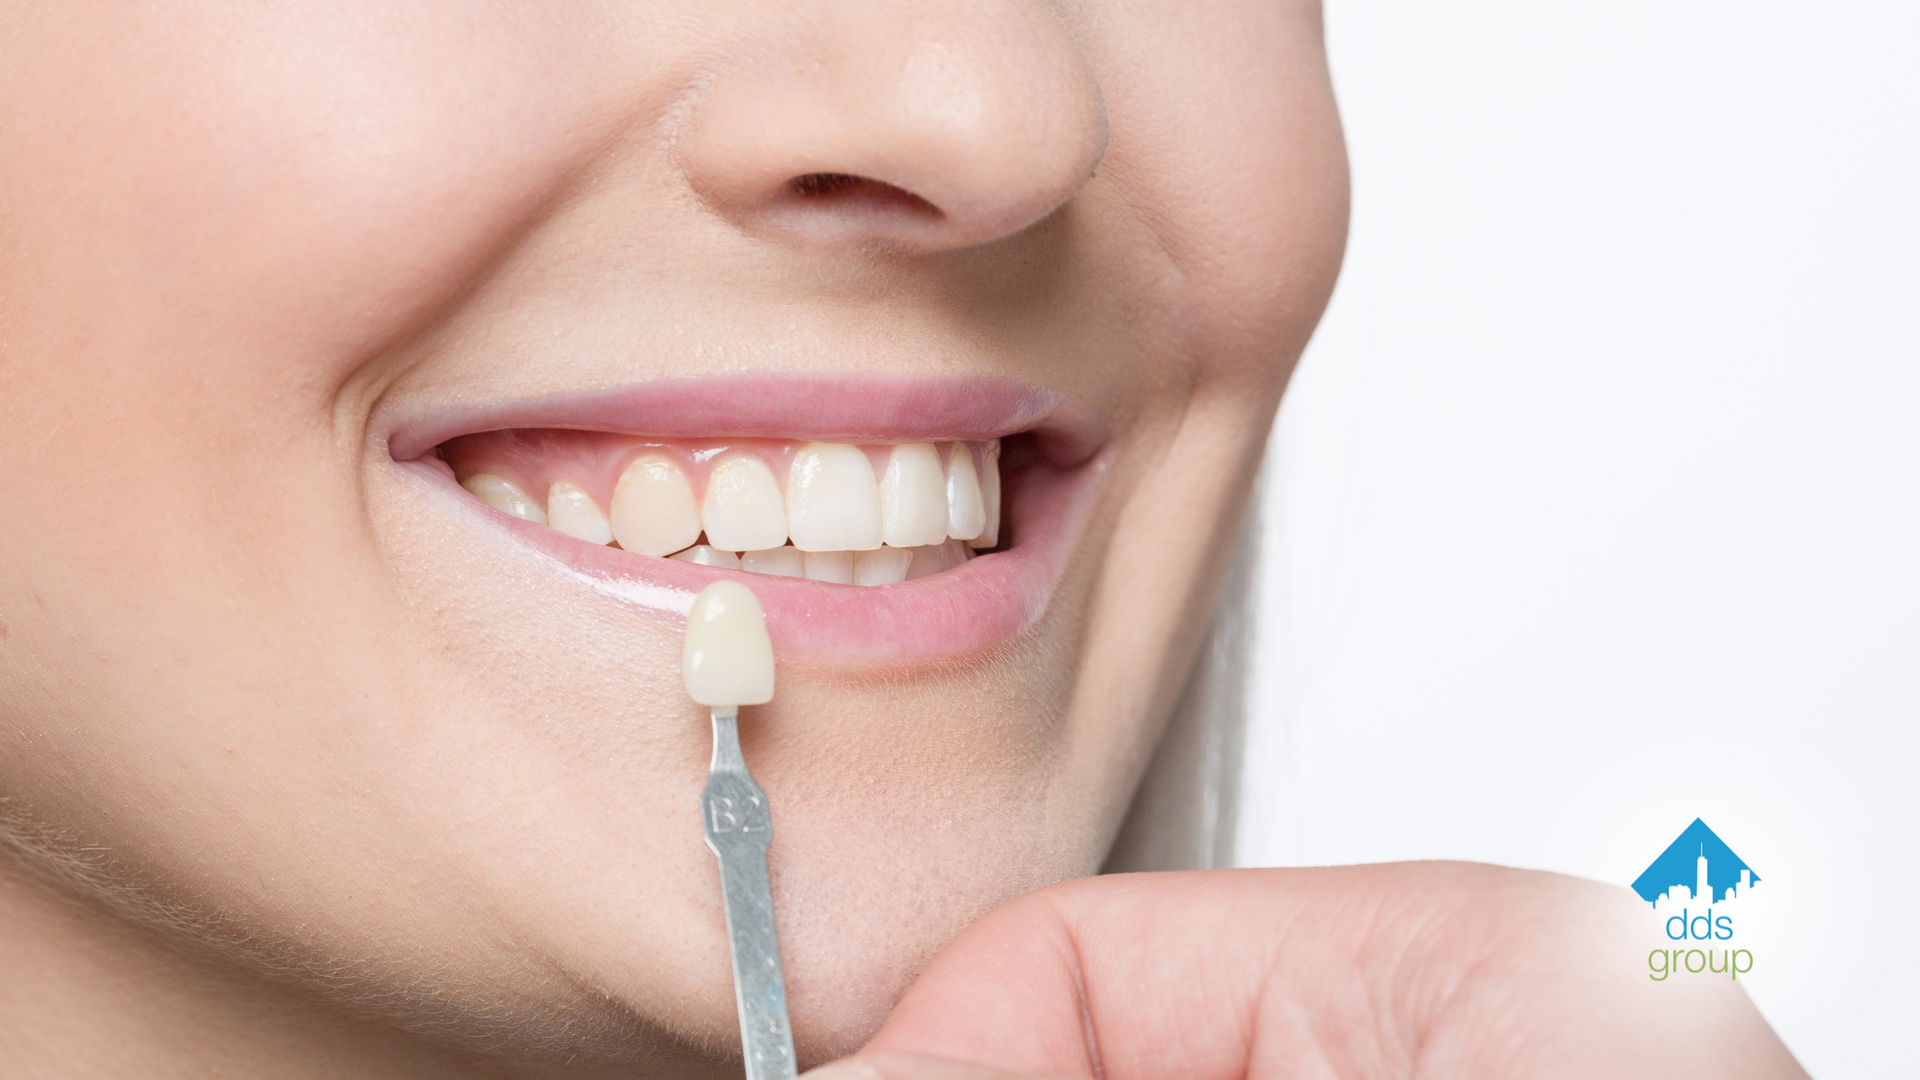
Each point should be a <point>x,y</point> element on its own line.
<point>1698,865</point>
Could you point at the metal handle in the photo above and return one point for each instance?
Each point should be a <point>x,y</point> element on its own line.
<point>739,826</point>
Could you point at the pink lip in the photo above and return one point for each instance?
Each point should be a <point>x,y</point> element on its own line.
<point>961,611</point>
<point>858,409</point>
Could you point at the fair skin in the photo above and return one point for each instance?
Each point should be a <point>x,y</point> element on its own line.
<point>312,764</point>
<point>1411,971</point>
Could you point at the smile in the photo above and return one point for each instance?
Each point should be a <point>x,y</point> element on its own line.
<point>833,512</point>
<point>866,528</point>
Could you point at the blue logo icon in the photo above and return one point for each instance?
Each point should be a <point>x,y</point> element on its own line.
<point>1698,866</point>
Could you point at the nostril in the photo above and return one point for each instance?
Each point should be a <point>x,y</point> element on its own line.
<point>844,190</point>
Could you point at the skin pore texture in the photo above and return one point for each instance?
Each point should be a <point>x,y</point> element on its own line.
<point>311,764</point>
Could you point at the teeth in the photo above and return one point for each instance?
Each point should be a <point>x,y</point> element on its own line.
<point>927,560</point>
<point>505,496</point>
<point>937,557</point>
<point>833,503</point>
<point>743,510</point>
<point>881,566</point>
<point>966,516</point>
<point>574,512</point>
<point>913,499</point>
<point>990,496</point>
<point>653,510</point>
<point>834,566</point>
<point>706,555</point>
<point>835,522</point>
<point>780,562</point>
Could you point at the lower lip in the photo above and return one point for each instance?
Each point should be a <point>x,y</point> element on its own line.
<point>970,608</point>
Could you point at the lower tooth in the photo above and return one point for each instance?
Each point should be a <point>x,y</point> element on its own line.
<point>704,555</point>
<point>573,511</point>
<point>780,562</point>
<point>505,496</point>
<point>834,566</point>
<point>926,561</point>
<point>881,566</point>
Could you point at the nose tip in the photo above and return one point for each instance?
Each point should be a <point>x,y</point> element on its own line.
<point>909,125</point>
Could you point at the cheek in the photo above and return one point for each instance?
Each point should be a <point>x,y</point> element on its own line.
<point>1226,144</point>
<point>201,189</point>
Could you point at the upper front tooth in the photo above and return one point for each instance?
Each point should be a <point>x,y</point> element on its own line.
<point>505,496</point>
<point>990,496</point>
<point>833,503</point>
<point>742,510</point>
<point>913,500</point>
<point>574,512</point>
<point>653,510</point>
<point>966,516</point>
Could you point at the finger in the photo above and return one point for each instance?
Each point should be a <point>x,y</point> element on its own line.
<point>1380,971</point>
<point>895,1065</point>
<point>1145,975</point>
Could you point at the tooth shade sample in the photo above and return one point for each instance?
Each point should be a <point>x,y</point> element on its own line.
<point>706,555</point>
<point>913,497</point>
<point>833,503</point>
<point>966,517</point>
<point>505,496</point>
<point>728,658</point>
<point>653,510</point>
<point>780,562</point>
<point>574,512</point>
<point>881,566</point>
<point>742,510</point>
<point>989,496</point>
<point>834,566</point>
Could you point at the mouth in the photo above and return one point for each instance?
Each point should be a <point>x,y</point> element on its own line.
<point>881,518</point>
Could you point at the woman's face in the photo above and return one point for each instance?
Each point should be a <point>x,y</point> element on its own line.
<point>271,678</point>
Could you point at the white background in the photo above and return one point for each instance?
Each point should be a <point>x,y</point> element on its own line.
<point>1595,506</point>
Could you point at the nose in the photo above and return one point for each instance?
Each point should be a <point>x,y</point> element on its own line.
<point>905,124</point>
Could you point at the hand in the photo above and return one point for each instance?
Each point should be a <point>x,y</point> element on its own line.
<point>1407,970</point>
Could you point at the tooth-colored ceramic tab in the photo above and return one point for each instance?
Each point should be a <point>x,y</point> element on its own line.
<point>913,497</point>
<point>833,503</point>
<point>707,555</point>
<point>989,496</point>
<point>881,566</point>
<point>505,496</point>
<point>653,510</point>
<point>574,512</point>
<point>728,658</point>
<point>834,566</point>
<point>742,509</point>
<point>965,515</point>
<point>780,562</point>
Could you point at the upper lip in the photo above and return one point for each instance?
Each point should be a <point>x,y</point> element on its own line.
<point>851,409</point>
